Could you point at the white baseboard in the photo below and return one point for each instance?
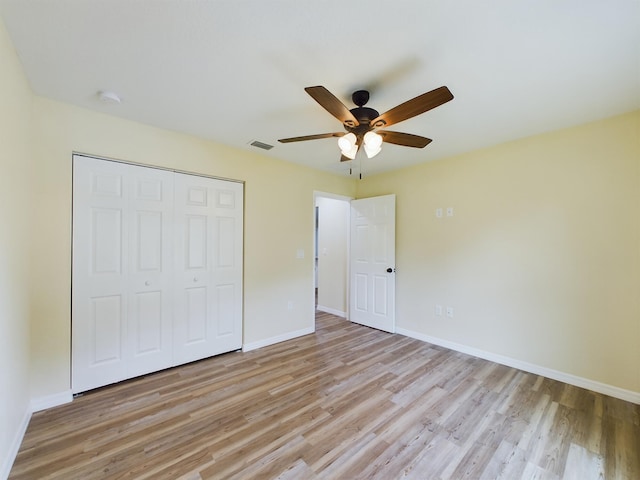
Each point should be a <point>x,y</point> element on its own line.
<point>247,347</point>
<point>7,462</point>
<point>50,401</point>
<point>612,391</point>
<point>35,405</point>
<point>332,311</point>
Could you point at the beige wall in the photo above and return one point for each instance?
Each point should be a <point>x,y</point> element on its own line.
<point>333,239</point>
<point>541,258</point>
<point>278,221</point>
<point>15,202</point>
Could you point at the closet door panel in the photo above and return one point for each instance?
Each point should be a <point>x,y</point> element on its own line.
<point>193,303</point>
<point>100,283</point>
<point>208,267</point>
<point>225,310</point>
<point>106,326</point>
<point>196,249</point>
<point>227,264</point>
<point>196,314</point>
<point>150,267</point>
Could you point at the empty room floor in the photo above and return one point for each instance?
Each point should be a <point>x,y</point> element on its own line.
<point>347,402</point>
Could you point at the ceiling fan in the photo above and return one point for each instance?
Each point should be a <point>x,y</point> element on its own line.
<point>364,126</point>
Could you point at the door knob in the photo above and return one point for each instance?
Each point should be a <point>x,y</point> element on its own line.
<point>195,279</point>
<point>390,270</point>
<point>147,283</point>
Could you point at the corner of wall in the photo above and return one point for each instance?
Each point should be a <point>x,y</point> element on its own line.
<point>10,455</point>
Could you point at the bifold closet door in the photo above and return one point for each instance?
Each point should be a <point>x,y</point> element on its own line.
<point>122,285</point>
<point>157,270</point>
<point>208,267</point>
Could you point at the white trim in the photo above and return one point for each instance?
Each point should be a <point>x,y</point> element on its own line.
<point>15,445</point>
<point>247,347</point>
<point>332,311</point>
<point>35,405</point>
<point>606,389</point>
<point>335,196</point>
<point>155,167</point>
<point>50,401</point>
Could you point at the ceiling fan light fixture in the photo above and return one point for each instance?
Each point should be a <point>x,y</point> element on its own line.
<point>373,139</point>
<point>348,145</point>
<point>372,151</point>
<point>372,144</point>
<point>346,142</point>
<point>351,153</point>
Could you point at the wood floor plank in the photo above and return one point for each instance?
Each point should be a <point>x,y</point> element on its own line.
<point>347,402</point>
<point>583,465</point>
<point>507,463</point>
<point>432,460</point>
<point>393,461</point>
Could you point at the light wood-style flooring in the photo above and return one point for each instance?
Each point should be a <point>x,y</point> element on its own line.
<point>347,402</point>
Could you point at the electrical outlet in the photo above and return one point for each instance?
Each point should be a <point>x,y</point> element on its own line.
<point>450,312</point>
<point>289,305</point>
<point>438,212</point>
<point>439,310</point>
<point>449,211</point>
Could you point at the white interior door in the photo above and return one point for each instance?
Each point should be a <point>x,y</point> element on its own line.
<point>372,262</point>
<point>150,289</point>
<point>99,291</point>
<point>121,272</point>
<point>208,267</point>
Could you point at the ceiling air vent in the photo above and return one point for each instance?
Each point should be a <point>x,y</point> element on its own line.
<point>264,146</point>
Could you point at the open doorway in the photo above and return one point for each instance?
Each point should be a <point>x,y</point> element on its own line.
<point>332,253</point>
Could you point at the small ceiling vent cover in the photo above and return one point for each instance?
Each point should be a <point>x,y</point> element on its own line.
<point>262,145</point>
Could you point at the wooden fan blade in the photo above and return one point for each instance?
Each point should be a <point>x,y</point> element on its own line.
<point>344,159</point>
<point>414,107</point>
<point>331,104</point>
<point>404,139</point>
<point>311,137</point>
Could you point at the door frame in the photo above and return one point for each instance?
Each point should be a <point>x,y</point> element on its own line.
<point>347,199</point>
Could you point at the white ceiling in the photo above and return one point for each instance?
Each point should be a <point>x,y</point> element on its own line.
<point>234,70</point>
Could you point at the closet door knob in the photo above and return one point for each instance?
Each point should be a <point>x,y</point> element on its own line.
<point>147,283</point>
<point>195,279</point>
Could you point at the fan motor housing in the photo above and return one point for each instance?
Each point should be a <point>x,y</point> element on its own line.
<point>364,116</point>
